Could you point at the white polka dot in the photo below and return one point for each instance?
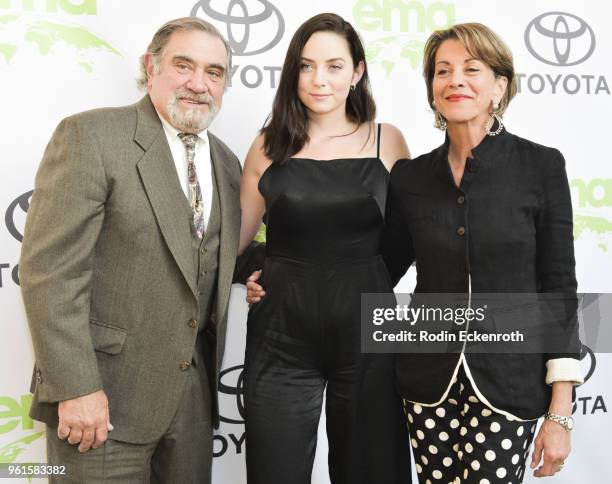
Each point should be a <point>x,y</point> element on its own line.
<point>440,412</point>
<point>506,444</point>
<point>533,427</point>
<point>418,468</point>
<point>424,460</point>
<point>490,455</point>
<point>501,473</point>
<point>457,481</point>
<point>495,427</point>
<point>452,401</point>
<point>469,448</point>
<point>437,474</point>
<point>475,465</point>
<point>433,449</point>
<point>456,447</point>
<point>410,419</point>
<point>447,461</point>
<point>486,412</point>
<point>474,422</point>
<point>463,431</point>
<point>465,474</point>
<point>525,445</point>
<point>480,438</point>
<point>414,443</point>
<point>473,399</point>
<point>429,423</point>
<point>520,431</point>
<point>461,387</point>
<point>484,481</point>
<point>515,458</point>
<point>460,455</point>
<point>428,481</point>
<point>454,423</point>
<point>420,434</point>
<point>443,436</point>
<point>417,409</point>
<point>466,407</point>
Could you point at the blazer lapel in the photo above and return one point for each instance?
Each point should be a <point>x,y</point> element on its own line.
<point>229,200</point>
<point>160,181</point>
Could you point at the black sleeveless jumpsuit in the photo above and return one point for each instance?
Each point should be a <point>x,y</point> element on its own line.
<point>324,222</point>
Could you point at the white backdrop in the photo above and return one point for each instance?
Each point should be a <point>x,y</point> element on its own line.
<point>58,57</point>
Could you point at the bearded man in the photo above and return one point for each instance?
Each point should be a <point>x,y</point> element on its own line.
<point>126,267</point>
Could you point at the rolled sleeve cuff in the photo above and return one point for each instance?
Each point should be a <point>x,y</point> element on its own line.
<point>564,369</point>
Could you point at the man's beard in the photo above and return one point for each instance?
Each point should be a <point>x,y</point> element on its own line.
<point>191,119</point>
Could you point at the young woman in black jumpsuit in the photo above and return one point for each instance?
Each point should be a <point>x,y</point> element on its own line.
<point>319,172</point>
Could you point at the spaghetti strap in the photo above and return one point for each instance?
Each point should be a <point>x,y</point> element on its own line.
<point>378,142</point>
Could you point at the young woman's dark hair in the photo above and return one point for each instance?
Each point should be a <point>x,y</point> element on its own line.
<point>286,130</point>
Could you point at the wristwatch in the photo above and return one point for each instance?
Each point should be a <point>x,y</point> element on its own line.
<point>566,422</point>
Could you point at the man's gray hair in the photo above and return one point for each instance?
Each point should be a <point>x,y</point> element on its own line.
<point>162,36</point>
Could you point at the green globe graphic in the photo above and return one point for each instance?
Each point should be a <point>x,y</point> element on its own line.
<point>600,227</point>
<point>47,35</point>
<point>391,50</point>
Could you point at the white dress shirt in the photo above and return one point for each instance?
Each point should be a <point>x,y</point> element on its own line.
<point>202,162</point>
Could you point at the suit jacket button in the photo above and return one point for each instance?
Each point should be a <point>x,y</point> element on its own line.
<point>184,365</point>
<point>461,230</point>
<point>192,323</point>
<point>460,199</point>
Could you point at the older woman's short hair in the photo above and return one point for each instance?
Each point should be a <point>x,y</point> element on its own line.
<point>162,37</point>
<point>482,44</point>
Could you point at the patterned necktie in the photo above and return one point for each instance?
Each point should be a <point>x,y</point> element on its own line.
<point>195,194</point>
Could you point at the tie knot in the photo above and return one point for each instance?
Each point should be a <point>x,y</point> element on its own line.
<point>189,140</point>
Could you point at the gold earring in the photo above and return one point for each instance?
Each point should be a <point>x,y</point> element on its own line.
<point>494,117</point>
<point>440,122</point>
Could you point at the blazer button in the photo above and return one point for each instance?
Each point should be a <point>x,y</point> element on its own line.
<point>184,365</point>
<point>461,230</point>
<point>192,323</point>
<point>461,200</point>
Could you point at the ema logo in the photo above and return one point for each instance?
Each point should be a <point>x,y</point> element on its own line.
<point>402,27</point>
<point>269,17</point>
<point>559,39</point>
<point>29,30</point>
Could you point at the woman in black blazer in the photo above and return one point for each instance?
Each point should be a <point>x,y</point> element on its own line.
<point>486,212</point>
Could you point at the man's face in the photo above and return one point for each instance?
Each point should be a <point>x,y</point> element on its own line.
<point>186,85</point>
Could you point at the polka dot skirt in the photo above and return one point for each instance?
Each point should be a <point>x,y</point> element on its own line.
<point>464,441</point>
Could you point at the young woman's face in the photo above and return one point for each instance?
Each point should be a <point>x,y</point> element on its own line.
<point>326,73</point>
<point>464,88</point>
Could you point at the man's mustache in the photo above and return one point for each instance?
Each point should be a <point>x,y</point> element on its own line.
<point>188,95</point>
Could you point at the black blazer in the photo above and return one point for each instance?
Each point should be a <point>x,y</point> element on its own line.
<point>507,228</point>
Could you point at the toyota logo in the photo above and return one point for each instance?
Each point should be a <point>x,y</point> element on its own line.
<point>231,384</point>
<point>559,39</point>
<point>266,20</point>
<point>13,218</point>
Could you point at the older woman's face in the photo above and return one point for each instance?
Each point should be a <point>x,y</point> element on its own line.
<point>464,88</point>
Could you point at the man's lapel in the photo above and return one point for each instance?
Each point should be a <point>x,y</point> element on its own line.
<point>229,200</point>
<point>160,180</point>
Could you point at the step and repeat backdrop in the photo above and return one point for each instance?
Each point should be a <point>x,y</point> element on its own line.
<point>58,57</point>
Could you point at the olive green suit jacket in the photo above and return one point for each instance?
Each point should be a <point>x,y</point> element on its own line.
<point>109,272</point>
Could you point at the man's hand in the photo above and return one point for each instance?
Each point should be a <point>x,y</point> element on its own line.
<point>554,442</point>
<point>254,291</point>
<point>85,420</point>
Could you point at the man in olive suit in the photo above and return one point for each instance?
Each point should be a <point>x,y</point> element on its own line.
<point>126,268</point>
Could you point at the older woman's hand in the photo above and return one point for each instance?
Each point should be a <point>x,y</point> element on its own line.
<point>554,442</point>
<point>254,291</point>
